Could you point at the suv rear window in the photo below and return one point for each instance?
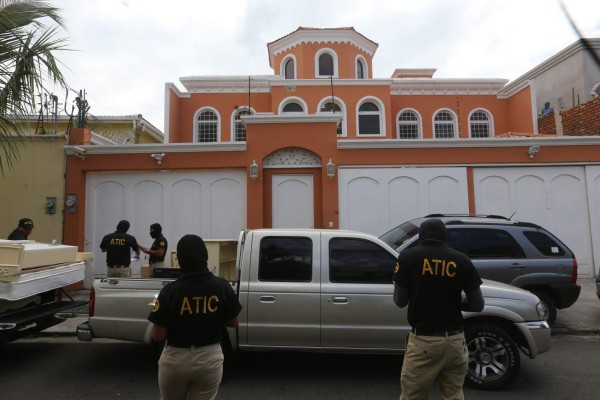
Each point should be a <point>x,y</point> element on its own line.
<point>484,243</point>
<point>545,244</point>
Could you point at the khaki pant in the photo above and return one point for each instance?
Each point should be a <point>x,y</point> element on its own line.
<point>191,373</point>
<point>118,272</point>
<point>430,358</point>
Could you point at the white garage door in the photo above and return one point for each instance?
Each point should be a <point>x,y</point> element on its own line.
<point>553,197</point>
<point>209,204</point>
<point>376,200</point>
<point>593,185</point>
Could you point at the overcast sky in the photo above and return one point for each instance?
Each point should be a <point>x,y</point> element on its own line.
<point>127,49</point>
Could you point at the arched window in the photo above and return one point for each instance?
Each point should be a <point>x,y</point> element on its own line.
<point>360,69</point>
<point>408,125</point>
<point>290,69</point>
<point>480,125</point>
<point>443,125</point>
<point>207,126</point>
<point>326,64</point>
<point>292,108</point>
<point>369,119</point>
<point>240,129</point>
<point>334,108</point>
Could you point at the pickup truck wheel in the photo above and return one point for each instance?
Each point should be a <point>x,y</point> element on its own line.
<point>548,304</point>
<point>494,358</point>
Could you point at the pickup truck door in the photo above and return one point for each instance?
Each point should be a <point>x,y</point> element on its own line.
<point>358,311</point>
<point>283,291</point>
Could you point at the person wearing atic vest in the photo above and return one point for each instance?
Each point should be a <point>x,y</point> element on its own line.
<point>158,250</point>
<point>190,314</point>
<point>118,247</point>
<point>430,278</point>
<point>23,230</point>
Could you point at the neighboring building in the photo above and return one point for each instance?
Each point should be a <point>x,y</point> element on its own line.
<point>324,144</point>
<point>35,186</point>
<point>565,79</point>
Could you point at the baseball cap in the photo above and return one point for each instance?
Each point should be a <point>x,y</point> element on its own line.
<point>26,223</point>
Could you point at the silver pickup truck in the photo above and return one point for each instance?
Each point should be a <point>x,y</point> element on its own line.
<point>330,291</point>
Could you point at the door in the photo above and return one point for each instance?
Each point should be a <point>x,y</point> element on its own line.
<point>211,204</point>
<point>554,197</point>
<point>358,310</point>
<point>293,204</point>
<point>375,200</point>
<point>283,290</point>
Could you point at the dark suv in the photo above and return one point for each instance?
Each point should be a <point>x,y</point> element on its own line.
<point>518,253</point>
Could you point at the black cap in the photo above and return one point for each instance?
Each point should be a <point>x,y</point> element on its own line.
<point>26,223</point>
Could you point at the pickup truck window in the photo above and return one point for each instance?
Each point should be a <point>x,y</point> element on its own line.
<point>485,243</point>
<point>359,261</point>
<point>285,259</point>
<point>545,244</point>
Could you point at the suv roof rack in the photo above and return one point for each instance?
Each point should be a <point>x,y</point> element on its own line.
<point>491,216</point>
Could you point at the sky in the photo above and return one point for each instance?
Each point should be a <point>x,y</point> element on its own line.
<point>122,52</point>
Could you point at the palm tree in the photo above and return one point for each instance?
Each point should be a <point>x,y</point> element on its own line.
<point>27,65</point>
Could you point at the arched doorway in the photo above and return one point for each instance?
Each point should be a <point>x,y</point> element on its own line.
<point>294,178</point>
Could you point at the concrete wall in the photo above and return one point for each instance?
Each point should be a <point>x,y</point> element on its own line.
<point>36,175</point>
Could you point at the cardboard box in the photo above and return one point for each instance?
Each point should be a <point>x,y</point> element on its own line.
<point>145,271</point>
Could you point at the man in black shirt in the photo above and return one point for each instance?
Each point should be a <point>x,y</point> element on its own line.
<point>158,250</point>
<point>190,314</point>
<point>23,230</point>
<point>430,278</point>
<point>118,246</point>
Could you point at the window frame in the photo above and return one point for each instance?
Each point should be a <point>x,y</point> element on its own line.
<point>490,123</point>
<point>197,124</point>
<point>454,123</point>
<point>379,104</point>
<point>286,59</point>
<point>335,62</point>
<point>419,123</point>
<point>292,99</point>
<point>365,66</point>
<point>234,123</point>
<point>342,106</point>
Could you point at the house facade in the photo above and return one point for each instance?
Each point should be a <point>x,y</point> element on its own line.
<point>323,143</point>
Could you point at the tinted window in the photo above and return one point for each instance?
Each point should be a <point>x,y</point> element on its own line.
<point>359,261</point>
<point>490,243</point>
<point>285,259</point>
<point>545,244</point>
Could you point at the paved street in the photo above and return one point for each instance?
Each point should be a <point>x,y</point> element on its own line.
<point>63,368</point>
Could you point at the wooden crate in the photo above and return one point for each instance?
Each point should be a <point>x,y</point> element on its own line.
<point>222,257</point>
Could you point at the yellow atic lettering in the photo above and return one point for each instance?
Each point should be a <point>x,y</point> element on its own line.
<point>212,308</point>
<point>451,264</point>
<point>426,267</point>
<point>197,299</point>
<point>185,306</point>
<point>117,242</point>
<point>397,268</point>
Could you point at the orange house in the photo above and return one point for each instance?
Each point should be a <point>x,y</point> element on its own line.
<point>322,143</point>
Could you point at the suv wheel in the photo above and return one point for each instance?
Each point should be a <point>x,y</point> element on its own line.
<point>494,358</point>
<point>548,304</point>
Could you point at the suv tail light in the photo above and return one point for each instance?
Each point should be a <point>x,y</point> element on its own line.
<point>58,295</point>
<point>92,302</point>
<point>574,276</point>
